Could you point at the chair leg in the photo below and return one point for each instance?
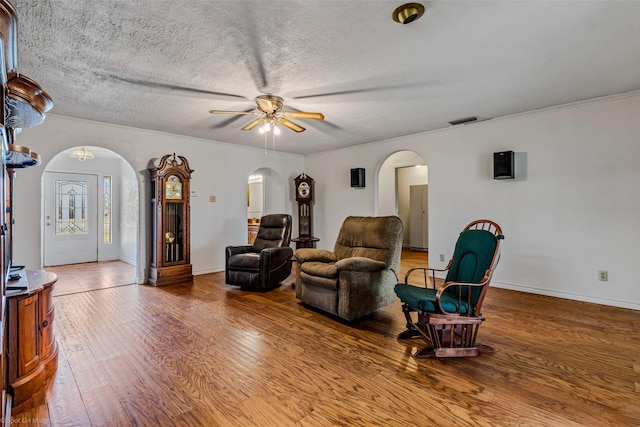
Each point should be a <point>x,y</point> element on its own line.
<point>425,353</point>
<point>412,331</point>
<point>450,337</point>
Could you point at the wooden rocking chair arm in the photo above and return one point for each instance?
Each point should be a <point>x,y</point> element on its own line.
<point>432,273</point>
<point>485,281</point>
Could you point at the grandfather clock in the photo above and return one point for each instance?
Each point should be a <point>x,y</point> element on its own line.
<point>170,262</point>
<point>304,197</point>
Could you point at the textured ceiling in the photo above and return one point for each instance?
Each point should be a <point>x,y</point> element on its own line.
<point>163,65</point>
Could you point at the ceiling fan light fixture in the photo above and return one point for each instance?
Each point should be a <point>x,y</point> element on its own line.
<point>82,154</point>
<point>407,13</point>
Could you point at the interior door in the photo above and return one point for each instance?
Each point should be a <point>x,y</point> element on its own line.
<point>70,218</point>
<point>418,220</point>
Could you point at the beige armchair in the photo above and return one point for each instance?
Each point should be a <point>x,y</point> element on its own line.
<point>358,277</point>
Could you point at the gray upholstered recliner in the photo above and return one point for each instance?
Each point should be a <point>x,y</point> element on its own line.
<point>358,277</point>
<point>267,262</point>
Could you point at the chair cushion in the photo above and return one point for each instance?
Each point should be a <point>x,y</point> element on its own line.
<point>319,282</point>
<point>274,232</point>
<point>358,263</point>
<point>248,261</point>
<point>424,299</point>
<point>378,238</point>
<point>472,257</point>
<point>320,269</point>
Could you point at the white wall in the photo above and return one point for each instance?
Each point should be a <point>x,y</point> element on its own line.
<point>127,198</point>
<point>276,192</point>
<point>572,210</point>
<point>220,169</point>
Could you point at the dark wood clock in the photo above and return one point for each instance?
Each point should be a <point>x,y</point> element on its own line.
<point>170,234</point>
<point>304,196</point>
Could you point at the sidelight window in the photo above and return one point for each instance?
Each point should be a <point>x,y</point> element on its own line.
<point>106,214</point>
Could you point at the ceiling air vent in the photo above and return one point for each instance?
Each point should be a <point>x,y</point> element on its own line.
<point>463,121</point>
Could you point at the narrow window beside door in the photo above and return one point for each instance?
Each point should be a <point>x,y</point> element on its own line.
<point>106,215</point>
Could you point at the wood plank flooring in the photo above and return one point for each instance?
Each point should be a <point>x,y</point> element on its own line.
<point>207,354</point>
<point>91,276</point>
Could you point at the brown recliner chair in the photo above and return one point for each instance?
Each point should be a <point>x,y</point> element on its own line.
<point>358,277</point>
<point>263,265</point>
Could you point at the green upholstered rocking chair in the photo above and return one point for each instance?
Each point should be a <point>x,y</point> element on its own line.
<point>448,317</point>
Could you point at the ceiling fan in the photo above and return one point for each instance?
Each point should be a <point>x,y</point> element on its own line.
<point>270,107</point>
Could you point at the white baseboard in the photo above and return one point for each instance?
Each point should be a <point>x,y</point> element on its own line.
<point>207,270</point>
<point>566,295</point>
<point>128,261</point>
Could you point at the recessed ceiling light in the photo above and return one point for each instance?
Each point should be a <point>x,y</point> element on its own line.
<point>408,13</point>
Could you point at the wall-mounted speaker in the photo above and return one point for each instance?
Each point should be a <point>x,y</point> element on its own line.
<point>357,177</point>
<point>503,165</point>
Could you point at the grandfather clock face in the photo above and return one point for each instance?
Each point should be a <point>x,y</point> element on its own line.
<point>173,188</point>
<point>304,190</point>
<point>304,197</point>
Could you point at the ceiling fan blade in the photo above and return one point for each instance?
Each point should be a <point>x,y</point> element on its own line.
<point>363,90</point>
<point>253,124</point>
<point>303,115</point>
<point>291,125</point>
<point>174,87</point>
<point>226,122</point>
<point>234,112</point>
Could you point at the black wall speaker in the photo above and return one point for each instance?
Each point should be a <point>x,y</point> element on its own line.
<point>503,165</point>
<point>357,177</point>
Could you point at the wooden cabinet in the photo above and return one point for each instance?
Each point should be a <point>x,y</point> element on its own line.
<point>33,353</point>
<point>27,346</point>
<point>252,232</point>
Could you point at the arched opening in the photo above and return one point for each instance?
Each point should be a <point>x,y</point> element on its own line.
<point>403,191</point>
<point>265,195</point>
<point>90,218</point>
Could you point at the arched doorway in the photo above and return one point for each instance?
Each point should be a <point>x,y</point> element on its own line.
<point>403,191</point>
<point>90,216</point>
<point>265,195</point>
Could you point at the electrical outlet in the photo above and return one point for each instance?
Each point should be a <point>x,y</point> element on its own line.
<point>212,199</point>
<point>603,275</point>
<point>441,257</point>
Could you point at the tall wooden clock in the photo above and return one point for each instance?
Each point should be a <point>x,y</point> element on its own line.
<point>170,228</point>
<point>304,196</point>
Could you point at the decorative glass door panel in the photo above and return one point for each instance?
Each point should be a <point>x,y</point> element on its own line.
<point>71,207</point>
<point>174,251</point>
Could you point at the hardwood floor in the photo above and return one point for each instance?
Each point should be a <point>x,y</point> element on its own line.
<point>207,354</point>
<point>91,276</point>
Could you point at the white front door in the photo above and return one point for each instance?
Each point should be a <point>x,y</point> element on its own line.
<point>70,218</point>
